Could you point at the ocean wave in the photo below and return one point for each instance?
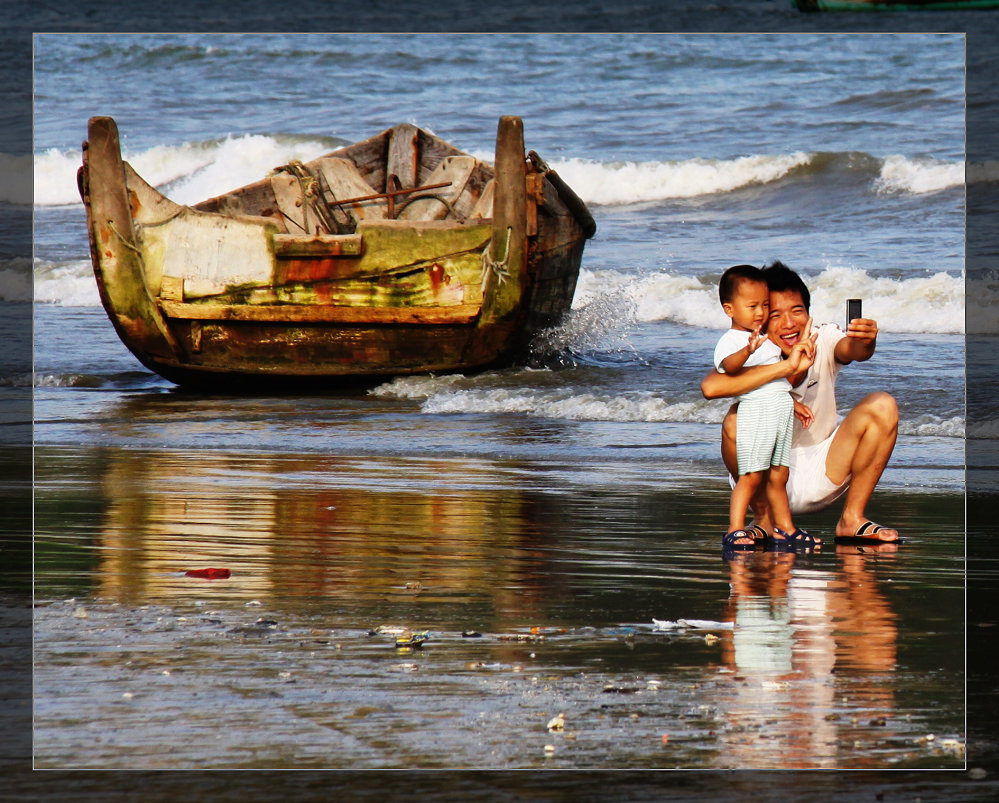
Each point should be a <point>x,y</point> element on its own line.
<point>69,284</point>
<point>931,425</point>
<point>15,279</point>
<point>194,171</point>
<point>461,395</point>
<point>188,173</point>
<point>986,172</point>
<point>16,185</point>
<point>458,395</point>
<point>608,303</point>
<point>614,183</point>
<point>930,304</point>
<point>918,176</point>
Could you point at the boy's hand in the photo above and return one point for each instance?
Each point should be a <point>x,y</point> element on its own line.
<point>803,414</point>
<point>755,338</point>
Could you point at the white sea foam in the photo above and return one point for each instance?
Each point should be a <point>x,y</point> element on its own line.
<point>931,425</point>
<point>607,303</point>
<point>930,304</point>
<point>69,284</point>
<point>918,176</point>
<point>16,185</point>
<point>637,182</point>
<point>457,395</point>
<point>190,173</point>
<point>983,172</point>
<point>15,279</point>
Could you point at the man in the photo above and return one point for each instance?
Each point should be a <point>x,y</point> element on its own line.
<point>828,459</point>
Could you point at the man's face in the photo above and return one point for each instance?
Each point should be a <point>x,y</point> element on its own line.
<point>788,317</point>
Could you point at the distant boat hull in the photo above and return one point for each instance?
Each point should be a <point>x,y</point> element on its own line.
<point>894,5</point>
<point>397,255</point>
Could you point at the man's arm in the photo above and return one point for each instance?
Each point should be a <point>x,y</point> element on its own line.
<point>719,386</point>
<point>859,343</point>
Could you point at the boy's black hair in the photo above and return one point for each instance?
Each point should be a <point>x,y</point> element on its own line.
<point>733,276</point>
<point>780,277</point>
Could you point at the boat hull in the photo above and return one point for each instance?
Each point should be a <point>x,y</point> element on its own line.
<point>242,291</point>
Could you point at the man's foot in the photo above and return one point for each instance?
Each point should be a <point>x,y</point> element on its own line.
<point>738,540</point>
<point>866,531</point>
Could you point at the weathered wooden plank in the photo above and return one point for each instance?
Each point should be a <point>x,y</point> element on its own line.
<point>345,181</point>
<point>291,313</point>
<point>320,245</point>
<point>297,211</point>
<point>403,158</point>
<point>439,204</point>
<point>507,253</point>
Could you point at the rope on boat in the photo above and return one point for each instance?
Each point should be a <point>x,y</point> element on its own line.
<point>498,267</point>
<point>121,237</point>
<point>165,220</point>
<point>312,197</point>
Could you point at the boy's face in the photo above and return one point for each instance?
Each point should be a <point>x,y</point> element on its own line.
<point>749,306</point>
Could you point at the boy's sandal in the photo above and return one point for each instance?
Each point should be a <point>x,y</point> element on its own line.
<point>757,532</point>
<point>729,540</point>
<point>780,541</point>
<point>799,538</point>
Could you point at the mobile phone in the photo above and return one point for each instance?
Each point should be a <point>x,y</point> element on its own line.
<point>852,310</point>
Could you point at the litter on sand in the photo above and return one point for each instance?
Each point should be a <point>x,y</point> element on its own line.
<point>690,624</point>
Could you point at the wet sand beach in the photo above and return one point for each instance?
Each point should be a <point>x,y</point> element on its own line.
<point>543,589</point>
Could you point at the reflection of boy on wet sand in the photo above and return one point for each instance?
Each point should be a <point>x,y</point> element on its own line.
<point>804,633</point>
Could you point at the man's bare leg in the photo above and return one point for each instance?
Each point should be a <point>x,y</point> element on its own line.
<point>861,447</point>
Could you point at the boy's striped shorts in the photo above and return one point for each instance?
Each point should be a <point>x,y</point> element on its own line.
<point>763,432</point>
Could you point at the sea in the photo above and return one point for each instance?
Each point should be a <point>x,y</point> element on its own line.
<point>430,572</point>
<point>840,155</point>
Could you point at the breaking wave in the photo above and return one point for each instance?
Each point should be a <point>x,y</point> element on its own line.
<point>192,172</point>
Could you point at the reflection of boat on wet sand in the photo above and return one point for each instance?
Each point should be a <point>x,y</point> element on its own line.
<point>396,255</point>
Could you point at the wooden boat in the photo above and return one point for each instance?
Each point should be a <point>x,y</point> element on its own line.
<point>894,5</point>
<point>396,255</point>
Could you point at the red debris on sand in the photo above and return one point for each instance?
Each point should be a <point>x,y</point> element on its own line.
<point>209,574</point>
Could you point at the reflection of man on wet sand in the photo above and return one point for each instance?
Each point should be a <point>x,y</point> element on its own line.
<point>808,637</point>
<point>828,458</point>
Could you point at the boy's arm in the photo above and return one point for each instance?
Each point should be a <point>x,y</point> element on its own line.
<point>733,363</point>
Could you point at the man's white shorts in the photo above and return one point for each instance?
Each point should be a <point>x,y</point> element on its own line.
<point>808,487</point>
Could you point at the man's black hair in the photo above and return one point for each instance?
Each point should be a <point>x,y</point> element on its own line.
<point>780,277</point>
<point>733,276</point>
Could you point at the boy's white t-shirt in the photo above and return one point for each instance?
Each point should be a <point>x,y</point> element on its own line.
<point>766,354</point>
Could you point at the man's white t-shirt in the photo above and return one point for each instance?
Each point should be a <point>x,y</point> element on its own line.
<point>766,354</point>
<point>817,390</point>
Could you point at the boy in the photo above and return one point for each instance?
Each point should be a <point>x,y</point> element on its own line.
<point>766,415</point>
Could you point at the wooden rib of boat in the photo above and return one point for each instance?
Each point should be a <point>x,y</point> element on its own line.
<point>396,255</point>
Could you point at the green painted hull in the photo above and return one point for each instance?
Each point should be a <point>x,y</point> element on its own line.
<point>891,5</point>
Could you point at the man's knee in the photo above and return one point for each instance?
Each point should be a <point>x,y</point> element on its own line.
<point>882,409</point>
